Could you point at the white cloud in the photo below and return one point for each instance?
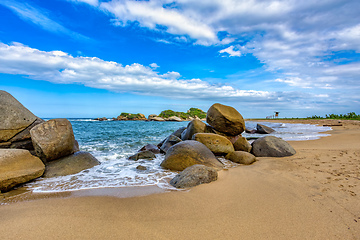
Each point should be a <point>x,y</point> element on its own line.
<point>230,50</point>
<point>60,67</point>
<point>90,2</point>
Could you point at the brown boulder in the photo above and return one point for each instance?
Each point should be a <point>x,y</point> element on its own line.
<point>18,166</point>
<point>225,119</point>
<point>242,144</point>
<point>151,148</point>
<point>143,155</point>
<point>195,126</point>
<point>187,153</point>
<point>241,157</point>
<point>53,139</point>
<point>193,176</point>
<point>14,117</point>
<point>219,145</point>
<point>271,146</point>
<point>72,164</point>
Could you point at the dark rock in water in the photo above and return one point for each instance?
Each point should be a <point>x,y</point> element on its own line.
<point>241,157</point>
<point>251,131</point>
<point>72,164</point>
<point>151,148</point>
<point>141,167</point>
<point>14,117</point>
<point>18,166</point>
<point>217,144</point>
<point>271,146</point>
<point>195,126</point>
<point>262,129</point>
<point>193,176</point>
<point>101,119</point>
<point>178,132</point>
<point>169,142</point>
<point>143,155</point>
<point>187,153</point>
<point>225,119</point>
<point>242,144</point>
<point>53,139</point>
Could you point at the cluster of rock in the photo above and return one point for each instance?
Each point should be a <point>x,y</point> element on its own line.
<point>261,129</point>
<point>194,149</point>
<point>31,147</point>
<point>151,117</point>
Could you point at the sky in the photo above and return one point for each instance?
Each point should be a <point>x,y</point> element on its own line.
<point>94,58</point>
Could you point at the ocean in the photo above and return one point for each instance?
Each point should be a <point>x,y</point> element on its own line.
<point>112,142</point>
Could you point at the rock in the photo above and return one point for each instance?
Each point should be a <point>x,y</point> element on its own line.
<point>76,146</point>
<point>5,144</point>
<point>225,119</point>
<point>195,126</point>
<point>242,144</point>
<point>53,139</point>
<point>18,166</point>
<point>251,131</point>
<point>217,144</point>
<point>101,119</point>
<point>271,146</point>
<point>178,132</point>
<point>262,129</point>
<point>169,142</point>
<point>143,155</point>
<point>141,167</point>
<point>14,117</point>
<point>25,134</point>
<point>158,119</point>
<point>187,153</point>
<point>151,148</point>
<point>71,164</point>
<point>241,157</point>
<point>193,176</point>
<point>174,119</point>
<point>25,144</point>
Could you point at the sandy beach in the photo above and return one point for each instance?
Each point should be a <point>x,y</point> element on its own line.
<point>314,194</point>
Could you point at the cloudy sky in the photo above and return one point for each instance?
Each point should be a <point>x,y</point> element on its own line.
<point>92,58</point>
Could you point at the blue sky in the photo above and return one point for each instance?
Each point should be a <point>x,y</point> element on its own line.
<point>90,58</point>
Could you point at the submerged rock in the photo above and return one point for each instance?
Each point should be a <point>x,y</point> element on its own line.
<point>151,148</point>
<point>262,129</point>
<point>193,176</point>
<point>271,146</point>
<point>143,155</point>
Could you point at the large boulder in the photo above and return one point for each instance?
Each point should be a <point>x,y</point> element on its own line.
<point>271,146</point>
<point>195,126</point>
<point>219,145</point>
<point>187,153</point>
<point>193,176</point>
<point>262,129</point>
<point>225,119</point>
<point>242,144</point>
<point>143,155</point>
<point>179,131</point>
<point>72,164</point>
<point>169,142</point>
<point>241,157</point>
<point>53,139</point>
<point>14,117</point>
<point>18,166</point>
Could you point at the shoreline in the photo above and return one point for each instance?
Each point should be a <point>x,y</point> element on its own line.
<point>313,194</point>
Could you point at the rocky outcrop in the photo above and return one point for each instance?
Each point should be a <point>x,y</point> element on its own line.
<point>14,117</point>
<point>71,164</point>
<point>262,129</point>
<point>225,119</point>
<point>242,144</point>
<point>195,126</point>
<point>151,148</point>
<point>188,153</point>
<point>53,139</point>
<point>154,117</point>
<point>18,166</point>
<point>193,176</point>
<point>241,157</point>
<point>174,119</point>
<point>271,146</point>
<point>217,144</point>
<point>143,155</point>
<point>169,142</point>
<point>101,119</point>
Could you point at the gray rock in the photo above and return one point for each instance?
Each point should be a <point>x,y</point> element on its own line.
<point>53,139</point>
<point>225,119</point>
<point>241,157</point>
<point>271,146</point>
<point>187,153</point>
<point>18,166</point>
<point>178,132</point>
<point>242,144</point>
<point>195,126</point>
<point>71,164</point>
<point>217,144</point>
<point>14,117</point>
<point>169,142</point>
<point>25,144</point>
<point>262,129</point>
<point>143,155</point>
<point>151,148</point>
<point>193,176</point>
<point>174,119</point>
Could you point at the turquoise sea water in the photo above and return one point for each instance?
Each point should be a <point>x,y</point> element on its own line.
<point>112,142</point>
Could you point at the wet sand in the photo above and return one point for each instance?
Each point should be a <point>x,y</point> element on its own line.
<point>314,194</point>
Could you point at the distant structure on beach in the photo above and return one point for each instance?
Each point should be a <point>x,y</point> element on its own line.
<point>276,114</point>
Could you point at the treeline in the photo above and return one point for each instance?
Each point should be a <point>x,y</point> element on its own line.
<point>348,116</point>
<point>192,112</point>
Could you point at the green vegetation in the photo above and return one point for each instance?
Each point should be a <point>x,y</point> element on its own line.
<point>348,116</point>
<point>192,112</point>
<point>131,115</point>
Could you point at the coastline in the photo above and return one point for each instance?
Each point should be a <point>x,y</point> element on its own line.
<point>313,194</point>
